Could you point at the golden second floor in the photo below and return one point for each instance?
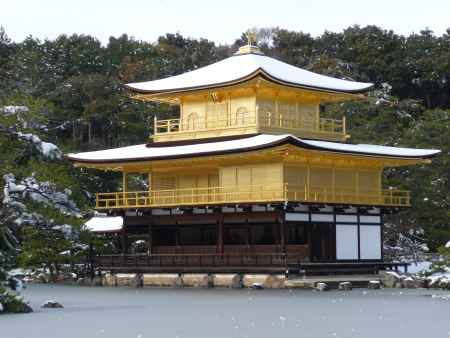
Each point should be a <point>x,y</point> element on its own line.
<point>252,109</point>
<point>275,182</point>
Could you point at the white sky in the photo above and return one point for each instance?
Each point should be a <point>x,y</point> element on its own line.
<point>220,21</point>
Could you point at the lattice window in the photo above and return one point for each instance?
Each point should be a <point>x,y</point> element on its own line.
<point>216,114</point>
<point>345,181</point>
<point>307,115</point>
<point>164,183</point>
<point>242,116</point>
<point>321,180</point>
<point>368,181</point>
<point>267,113</point>
<point>192,121</point>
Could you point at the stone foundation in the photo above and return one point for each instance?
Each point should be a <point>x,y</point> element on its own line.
<point>159,279</point>
<point>110,280</point>
<point>275,282</point>
<point>230,280</point>
<point>126,279</point>
<point>267,281</point>
<point>299,284</point>
<point>197,280</point>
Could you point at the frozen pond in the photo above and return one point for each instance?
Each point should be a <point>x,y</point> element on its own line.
<point>196,313</point>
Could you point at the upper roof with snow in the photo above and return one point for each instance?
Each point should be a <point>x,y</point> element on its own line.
<point>244,66</point>
<point>149,152</point>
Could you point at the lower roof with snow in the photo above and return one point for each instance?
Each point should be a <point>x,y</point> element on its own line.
<point>150,152</point>
<point>103,224</point>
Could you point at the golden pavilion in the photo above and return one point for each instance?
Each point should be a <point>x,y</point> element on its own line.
<point>250,176</point>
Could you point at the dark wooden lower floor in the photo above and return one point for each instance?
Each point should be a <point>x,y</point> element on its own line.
<point>290,264</point>
<point>245,234</point>
<point>247,242</point>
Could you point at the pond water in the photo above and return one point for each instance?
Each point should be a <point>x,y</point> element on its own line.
<point>141,313</point>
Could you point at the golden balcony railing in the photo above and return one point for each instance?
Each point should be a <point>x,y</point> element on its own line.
<point>293,124</point>
<point>212,122</point>
<point>259,122</point>
<point>248,194</point>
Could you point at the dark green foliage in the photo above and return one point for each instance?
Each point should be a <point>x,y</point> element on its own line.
<point>43,248</point>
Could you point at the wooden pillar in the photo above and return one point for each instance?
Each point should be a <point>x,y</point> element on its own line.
<point>91,260</point>
<point>124,182</point>
<point>124,188</point>
<point>220,235</point>
<point>124,241</point>
<point>150,238</point>
<point>282,227</point>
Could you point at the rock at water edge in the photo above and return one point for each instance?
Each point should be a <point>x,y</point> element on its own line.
<point>207,281</point>
<point>257,286</point>
<point>51,304</point>
<point>110,280</point>
<point>322,286</point>
<point>236,282</point>
<point>178,283</point>
<point>125,279</point>
<point>390,279</point>
<point>275,282</point>
<point>374,284</point>
<point>345,286</point>
<point>409,283</point>
<point>249,279</point>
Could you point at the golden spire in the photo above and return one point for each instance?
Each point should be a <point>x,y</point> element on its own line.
<point>251,37</point>
<point>251,47</point>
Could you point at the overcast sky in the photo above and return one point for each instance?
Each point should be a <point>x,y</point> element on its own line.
<point>220,21</point>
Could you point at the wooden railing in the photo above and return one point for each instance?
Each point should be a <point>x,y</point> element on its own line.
<point>322,127</point>
<point>248,194</point>
<point>199,260</point>
<point>211,123</point>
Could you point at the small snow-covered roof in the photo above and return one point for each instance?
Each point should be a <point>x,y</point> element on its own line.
<point>239,68</point>
<point>104,224</point>
<point>144,152</point>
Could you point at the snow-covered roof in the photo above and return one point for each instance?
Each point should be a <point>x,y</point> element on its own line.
<point>148,152</point>
<point>104,224</point>
<point>239,68</point>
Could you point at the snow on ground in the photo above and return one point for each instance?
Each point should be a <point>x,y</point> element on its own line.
<point>417,267</point>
